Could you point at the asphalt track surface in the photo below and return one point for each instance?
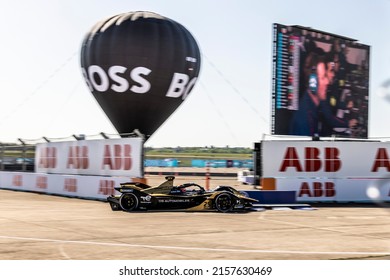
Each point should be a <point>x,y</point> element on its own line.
<point>43,227</point>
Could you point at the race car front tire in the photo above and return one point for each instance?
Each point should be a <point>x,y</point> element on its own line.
<point>128,202</point>
<point>224,202</point>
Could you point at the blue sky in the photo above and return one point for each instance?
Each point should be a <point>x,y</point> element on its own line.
<point>43,92</point>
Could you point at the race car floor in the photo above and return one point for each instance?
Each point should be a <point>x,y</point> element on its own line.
<point>43,227</point>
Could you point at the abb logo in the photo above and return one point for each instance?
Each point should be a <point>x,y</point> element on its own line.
<point>17,181</point>
<point>41,182</point>
<point>381,160</point>
<point>48,157</point>
<point>117,157</point>
<point>106,187</point>
<point>317,189</point>
<point>312,161</point>
<point>77,157</point>
<point>70,185</point>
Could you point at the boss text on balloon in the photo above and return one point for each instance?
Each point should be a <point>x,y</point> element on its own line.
<point>116,80</point>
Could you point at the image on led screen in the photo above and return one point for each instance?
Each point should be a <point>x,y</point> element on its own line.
<point>320,84</point>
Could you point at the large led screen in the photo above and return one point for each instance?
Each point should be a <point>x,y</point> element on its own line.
<point>320,84</point>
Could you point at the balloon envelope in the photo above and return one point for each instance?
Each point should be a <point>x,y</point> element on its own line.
<point>139,66</point>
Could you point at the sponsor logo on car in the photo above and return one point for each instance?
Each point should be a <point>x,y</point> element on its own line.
<point>146,199</point>
<point>171,200</point>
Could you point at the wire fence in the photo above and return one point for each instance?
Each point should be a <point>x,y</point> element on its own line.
<point>17,157</point>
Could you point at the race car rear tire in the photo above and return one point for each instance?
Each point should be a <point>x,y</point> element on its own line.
<point>128,202</point>
<point>224,202</point>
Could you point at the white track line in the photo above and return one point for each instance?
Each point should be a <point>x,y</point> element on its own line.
<point>188,248</point>
<point>330,229</point>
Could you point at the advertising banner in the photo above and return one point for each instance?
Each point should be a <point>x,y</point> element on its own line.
<point>106,157</point>
<point>329,171</point>
<point>329,159</point>
<point>80,186</point>
<point>337,190</point>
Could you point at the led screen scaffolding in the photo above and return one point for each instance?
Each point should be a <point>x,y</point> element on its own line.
<point>320,84</point>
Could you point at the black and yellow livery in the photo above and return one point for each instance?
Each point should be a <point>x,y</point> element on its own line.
<point>188,196</point>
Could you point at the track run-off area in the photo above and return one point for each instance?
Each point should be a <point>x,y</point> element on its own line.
<point>44,227</point>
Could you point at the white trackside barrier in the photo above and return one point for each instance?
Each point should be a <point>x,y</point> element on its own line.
<point>329,171</point>
<point>90,187</point>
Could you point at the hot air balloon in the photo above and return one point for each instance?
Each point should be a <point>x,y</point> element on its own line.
<point>139,66</point>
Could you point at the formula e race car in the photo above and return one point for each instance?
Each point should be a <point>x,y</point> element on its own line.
<point>188,196</point>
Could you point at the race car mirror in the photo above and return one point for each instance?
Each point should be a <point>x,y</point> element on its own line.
<point>139,66</point>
